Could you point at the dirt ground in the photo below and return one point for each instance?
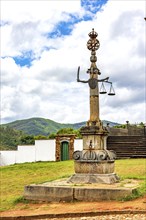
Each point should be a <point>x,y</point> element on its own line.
<point>75,207</point>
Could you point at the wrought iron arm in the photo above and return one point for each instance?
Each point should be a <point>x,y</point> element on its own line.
<point>78,80</point>
<point>104,80</point>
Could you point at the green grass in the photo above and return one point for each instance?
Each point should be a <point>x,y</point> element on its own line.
<point>15,177</point>
<point>131,168</point>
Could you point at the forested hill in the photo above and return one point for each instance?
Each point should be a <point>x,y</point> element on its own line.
<point>41,126</point>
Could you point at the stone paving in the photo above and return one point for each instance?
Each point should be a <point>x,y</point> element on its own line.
<point>107,217</point>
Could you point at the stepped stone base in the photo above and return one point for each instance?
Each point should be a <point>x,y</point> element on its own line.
<point>94,178</point>
<point>61,190</point>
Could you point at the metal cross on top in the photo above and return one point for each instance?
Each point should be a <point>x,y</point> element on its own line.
<point>93,45</point>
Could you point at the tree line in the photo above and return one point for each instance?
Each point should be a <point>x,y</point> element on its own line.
<point>11,138</point>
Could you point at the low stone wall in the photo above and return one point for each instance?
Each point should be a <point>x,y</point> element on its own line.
<point>129,131</point>
<point>117,131</point>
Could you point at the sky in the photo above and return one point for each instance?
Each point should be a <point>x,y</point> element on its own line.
<point>44,42</point>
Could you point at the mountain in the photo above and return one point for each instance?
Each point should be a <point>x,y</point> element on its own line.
<point>41,126</point>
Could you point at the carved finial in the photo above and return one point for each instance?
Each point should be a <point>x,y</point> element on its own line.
<point>93,34</point>
<point>93,44</point>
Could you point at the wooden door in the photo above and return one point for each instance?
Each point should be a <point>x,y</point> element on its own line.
<point>64,150</point>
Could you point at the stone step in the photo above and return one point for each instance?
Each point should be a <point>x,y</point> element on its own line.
<point>127,146</point>
<point>130,153</point>
<point>62,191</point>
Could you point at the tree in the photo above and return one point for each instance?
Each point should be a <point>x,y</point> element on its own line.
<point>70,131</point>
<point>66,131</point>
<point>52,136</point>
<point>26,139</point>
<point>40,137</point>
<point>9,137</point>
<point>141,124</point>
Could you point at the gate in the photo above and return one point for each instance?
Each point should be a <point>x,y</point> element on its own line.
<point>64,150</point>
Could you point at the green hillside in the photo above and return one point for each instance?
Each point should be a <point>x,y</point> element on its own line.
<point>41,126</point>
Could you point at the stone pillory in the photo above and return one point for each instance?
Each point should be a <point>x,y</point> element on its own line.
<point>94,163</point>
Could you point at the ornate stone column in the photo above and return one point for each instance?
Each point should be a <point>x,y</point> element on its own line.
<point>94,164</point>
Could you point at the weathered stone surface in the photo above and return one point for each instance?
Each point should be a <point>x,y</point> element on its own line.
<point>86,194</point>
<point>94,167</point>
<point>48,193</point>
<point>97,128</point>
<point>58,191</point>
<point>96,134</point>
<point>94,178</point>
<point>99,141</point>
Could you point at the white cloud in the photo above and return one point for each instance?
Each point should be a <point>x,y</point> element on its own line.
<point>28,22</point>
<point>48,88</point>
<point>10,71</point>
<point>38,10</point>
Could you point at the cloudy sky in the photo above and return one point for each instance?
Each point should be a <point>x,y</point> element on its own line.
<point>44,42</point>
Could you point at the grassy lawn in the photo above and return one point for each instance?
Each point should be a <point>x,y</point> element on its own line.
<point>15,177</point>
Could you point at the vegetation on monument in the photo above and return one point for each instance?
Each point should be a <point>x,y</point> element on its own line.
<point>29,173</point>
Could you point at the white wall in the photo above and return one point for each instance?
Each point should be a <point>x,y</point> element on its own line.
<point>25,153</point>
<point>7,157</point>
<point>78,144</point>
<point>43,150</point>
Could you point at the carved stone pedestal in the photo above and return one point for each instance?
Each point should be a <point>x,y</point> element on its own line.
<point>94,164</point>
<point>94,172</point>
<point>94,167</point>
<point>87,178</point>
